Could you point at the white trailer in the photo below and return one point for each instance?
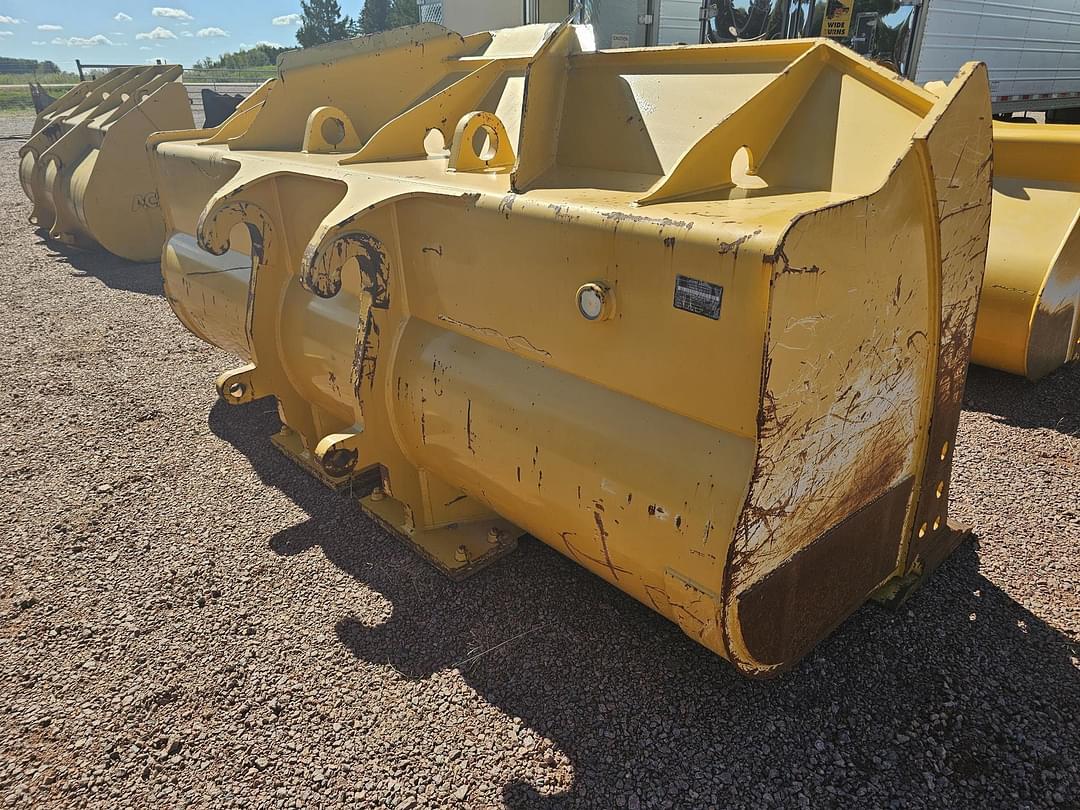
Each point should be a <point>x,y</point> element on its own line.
<point>1031,47</point>
<point>617,23</point>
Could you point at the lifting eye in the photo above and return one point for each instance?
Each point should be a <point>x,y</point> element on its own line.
<point>333,131</point>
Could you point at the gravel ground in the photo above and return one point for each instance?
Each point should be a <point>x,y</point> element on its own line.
<point>188,619</point>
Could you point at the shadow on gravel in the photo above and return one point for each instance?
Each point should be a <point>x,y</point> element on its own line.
<point>1052,402</point>
<point>112,271</point>
<point>960,693</point>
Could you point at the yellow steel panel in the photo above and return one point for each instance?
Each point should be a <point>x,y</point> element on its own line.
<point>1029,312</point>
<point>1029,316</point>
<point>85,167</point>
<point>699,317</point>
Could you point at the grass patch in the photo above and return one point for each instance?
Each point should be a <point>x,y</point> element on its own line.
<point>229,75</point>
<point>42,78</point>
<point>16,98</point>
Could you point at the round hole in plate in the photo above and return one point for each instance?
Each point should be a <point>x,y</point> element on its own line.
<point>435,143</point>
<point>236,390</point>
<point>485,142</point>
<point>944,450</point>
<point>743,169</point>
<point>333,131</point>
<point>940,489</point>
<point>922,531</point>
<point>937,523</point>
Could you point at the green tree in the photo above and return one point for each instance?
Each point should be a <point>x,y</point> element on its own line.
<point>381,15</point>
<point>322,21</point>
<point>403,12</point>
<point>374,16</point>
<point>259,56</point>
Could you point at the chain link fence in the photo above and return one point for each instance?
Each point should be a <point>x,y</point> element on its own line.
<point>22,79</point>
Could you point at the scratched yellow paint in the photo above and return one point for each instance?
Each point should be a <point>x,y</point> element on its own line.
<point>85,167</point>
<point>761,381</point>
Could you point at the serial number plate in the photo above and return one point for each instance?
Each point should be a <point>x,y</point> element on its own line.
<point>699,297</point>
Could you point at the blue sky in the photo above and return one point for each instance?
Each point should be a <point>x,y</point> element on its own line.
<point>132,32</point>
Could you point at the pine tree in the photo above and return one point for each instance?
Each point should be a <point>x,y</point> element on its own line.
<point>381,15</point>
<point>374,16</point>
<point>403,12</point>
<point>322,21</point>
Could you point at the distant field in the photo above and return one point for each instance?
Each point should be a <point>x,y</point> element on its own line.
<point>43,78</point>
<point>229,75</point>
<point>16,98</point>
<point>15,87</point>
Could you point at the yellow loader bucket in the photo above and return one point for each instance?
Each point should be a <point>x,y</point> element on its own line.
<point>1029,316</point>
<point>698,318</point>
<point>85,167</point>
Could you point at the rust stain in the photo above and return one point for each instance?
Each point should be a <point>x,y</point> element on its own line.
<point>666,222</point>
<point>366,356</point>
<point>780,257</point>
<point>506,206</point>
<point>322,266</point>
<point>579,556</point>
<point>788,610</point>
<point>603,537</point>
<point>734,245</point>
<point>469,435</point>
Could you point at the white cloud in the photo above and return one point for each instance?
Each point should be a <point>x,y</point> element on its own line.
<point>38,42</point>
<point>212,32</point>
<point>83,42</point>
<point>6,20</point>
<point>174,13</point>
<point>122,17</point>
<point>157,33</point>
<point>48,27</point>
<point>286,19</point>
<point>186,34</point>
<point>145,48</point>
<point>7,33</point>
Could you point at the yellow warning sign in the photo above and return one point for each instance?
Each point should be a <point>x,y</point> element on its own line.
<point>838,18</point>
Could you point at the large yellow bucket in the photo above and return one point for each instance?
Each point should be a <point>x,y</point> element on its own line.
<point>85,166</point>
<point>697,317</point>
<point>1029,315</point>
